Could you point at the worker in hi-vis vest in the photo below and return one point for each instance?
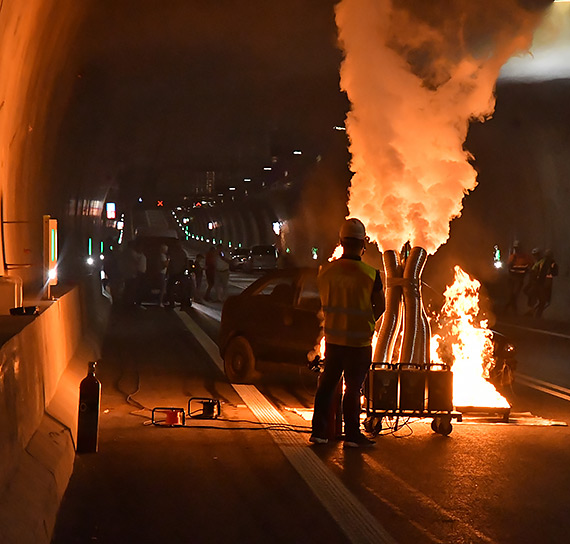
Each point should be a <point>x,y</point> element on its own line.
<point>352,300</point>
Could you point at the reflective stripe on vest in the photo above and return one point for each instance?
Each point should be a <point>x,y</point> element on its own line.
<point>345,286</point>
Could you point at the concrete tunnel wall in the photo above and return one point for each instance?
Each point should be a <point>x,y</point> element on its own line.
<point>36,38</point>
<point>40,370</point>
<point>43,358</point>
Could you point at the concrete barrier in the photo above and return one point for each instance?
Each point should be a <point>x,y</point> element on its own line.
<point>41,366</point>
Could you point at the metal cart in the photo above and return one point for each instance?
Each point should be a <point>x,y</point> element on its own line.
<point>410,391</point>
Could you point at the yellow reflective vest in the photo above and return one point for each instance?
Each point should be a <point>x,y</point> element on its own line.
<point>345,288</point>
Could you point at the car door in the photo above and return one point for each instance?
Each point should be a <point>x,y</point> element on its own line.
<point>267,318</point>
<point>305,328</point>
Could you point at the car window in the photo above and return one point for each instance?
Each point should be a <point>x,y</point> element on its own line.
<point>272,287</point>
<point>263,250</point>
<point>309,298</point>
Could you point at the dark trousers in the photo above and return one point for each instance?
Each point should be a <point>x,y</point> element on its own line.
<point>354,363</point>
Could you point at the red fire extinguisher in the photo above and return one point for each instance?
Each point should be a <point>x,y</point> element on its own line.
<point>88,419</point>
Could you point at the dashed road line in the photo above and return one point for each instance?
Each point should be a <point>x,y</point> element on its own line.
<point>545,387</point>
<point>538,331</point>
<point>349,513</point>
<point>427,502</point>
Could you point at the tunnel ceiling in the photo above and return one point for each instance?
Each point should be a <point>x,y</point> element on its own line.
<point>167,89</point>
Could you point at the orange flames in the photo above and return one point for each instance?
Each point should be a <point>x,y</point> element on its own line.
<point>467,343</point>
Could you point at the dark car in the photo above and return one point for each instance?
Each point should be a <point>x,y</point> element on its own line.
<point>276,319</point>
<point>273,320</point>
<point>239,258</point>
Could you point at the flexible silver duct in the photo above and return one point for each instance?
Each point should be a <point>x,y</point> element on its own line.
<point>414,340</point>
<point>391,319</point>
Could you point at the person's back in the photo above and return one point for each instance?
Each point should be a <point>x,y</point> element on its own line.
<point>178,260</point>
<point>346,286</point>
<point>352,299</point>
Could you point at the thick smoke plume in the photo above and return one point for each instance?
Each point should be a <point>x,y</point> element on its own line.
<point>416,73</point>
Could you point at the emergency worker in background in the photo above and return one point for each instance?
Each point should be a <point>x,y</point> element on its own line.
<point>545,270</point>
<point>210,261</point>
<point>164,261</point>
<point>531,288</point>
<point>178,283</point>
<point>518,265</point>
<point>352,299</point>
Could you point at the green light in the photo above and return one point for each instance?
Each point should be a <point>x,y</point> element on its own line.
<point>102,247</point>
<point>90,247</point>
<point>53,257</point>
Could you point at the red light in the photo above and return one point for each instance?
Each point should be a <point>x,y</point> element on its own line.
<point>160,202</point>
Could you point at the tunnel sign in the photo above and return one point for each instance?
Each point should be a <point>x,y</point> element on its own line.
<point>50,250</point>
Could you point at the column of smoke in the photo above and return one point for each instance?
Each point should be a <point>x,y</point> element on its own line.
<point>416,73</point>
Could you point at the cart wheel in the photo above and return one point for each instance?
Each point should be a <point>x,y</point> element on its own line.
<point>445,427</point>
<point>239,361</point>
<point>434,425</point>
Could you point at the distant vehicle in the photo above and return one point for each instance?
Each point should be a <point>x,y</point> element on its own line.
<point>239,258</point>
<point>273,320</point>
<point>276,319</point>
<point>262,258</point>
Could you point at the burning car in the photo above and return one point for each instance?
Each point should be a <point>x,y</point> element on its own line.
<point>276,319</point>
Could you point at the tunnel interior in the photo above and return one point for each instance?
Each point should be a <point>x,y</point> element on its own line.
<point>108,101</point>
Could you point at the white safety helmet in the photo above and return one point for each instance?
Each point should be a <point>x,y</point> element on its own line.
<point>352,228</point>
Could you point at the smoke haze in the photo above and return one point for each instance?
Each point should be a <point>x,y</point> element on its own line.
<point>416,73</point>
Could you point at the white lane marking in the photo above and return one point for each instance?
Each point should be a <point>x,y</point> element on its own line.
<point>214,313</point>
<point>545,384</point>
<point>349,513</point>
<point>426,501</point>
<point>545,387</point>
<point>205,341</point>
<point>539,331</point>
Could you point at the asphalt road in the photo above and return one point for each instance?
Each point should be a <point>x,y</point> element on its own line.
<point>250,476</point>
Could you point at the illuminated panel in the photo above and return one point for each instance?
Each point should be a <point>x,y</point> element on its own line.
<point>50,250</point>
<point>111,210</point>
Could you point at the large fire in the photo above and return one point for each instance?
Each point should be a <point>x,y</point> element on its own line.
<point>467,343</point>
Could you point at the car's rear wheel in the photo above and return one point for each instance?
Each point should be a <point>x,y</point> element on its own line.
<point>239,361</point>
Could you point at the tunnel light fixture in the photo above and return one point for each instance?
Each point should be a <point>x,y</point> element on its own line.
<point>90,261</point>
<point>246,180</point>
<point>267,168</point>
<point>297,152</point>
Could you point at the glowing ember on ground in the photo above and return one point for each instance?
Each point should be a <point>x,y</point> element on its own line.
<point>467,343</point>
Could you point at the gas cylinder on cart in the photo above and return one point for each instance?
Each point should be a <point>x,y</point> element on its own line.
<point>88,418</point>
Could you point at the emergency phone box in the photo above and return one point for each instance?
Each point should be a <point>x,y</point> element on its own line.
<point>11,293</point>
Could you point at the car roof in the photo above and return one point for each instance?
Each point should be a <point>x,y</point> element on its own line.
<point>294,273</point>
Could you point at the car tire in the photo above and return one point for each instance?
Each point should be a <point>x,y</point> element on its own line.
<point>239,361</point>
